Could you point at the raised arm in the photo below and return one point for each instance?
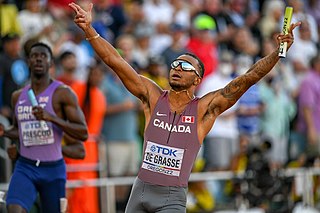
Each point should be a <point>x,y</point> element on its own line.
<point>135,83</point>
<point>221,100</point>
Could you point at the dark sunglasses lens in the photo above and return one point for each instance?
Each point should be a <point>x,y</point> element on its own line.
<point>186,66</point>
<point>175,64</point>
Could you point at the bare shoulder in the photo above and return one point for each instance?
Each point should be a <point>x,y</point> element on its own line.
<point>153,91</point>
<point>15,96</point>
<point>64,93</point>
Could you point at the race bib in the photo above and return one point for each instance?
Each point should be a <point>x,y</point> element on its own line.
<point>163,159</point>
<point>33,134</point>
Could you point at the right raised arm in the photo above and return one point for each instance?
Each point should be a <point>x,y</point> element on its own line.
<point>135,83</point>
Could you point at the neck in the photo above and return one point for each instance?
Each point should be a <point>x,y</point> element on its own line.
<point>39,84</point>
<point>186,91</point>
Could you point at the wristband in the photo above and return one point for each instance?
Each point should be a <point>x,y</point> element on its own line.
<point>93,37</point>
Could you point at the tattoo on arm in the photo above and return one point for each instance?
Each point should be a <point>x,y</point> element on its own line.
<point>263,66</point>
<point>235,89</point>
<point>241,84</point>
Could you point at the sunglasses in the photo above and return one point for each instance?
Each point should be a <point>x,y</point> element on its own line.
<point>186,66</point>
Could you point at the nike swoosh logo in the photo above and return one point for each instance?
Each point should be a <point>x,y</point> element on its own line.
<point>160,114</point>
<point>22,102</point>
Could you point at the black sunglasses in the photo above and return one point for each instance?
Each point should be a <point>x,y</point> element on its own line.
<point>186,66</point>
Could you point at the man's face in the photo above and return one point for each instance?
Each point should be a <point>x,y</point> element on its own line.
<point>12,47</point>
<point>39,61</point>
<point>69,63</point>
<point>180,78</point>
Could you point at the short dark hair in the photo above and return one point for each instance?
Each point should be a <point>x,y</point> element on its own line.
<point>201,65</point>
<point>65,55</point>
<point>41,44</point>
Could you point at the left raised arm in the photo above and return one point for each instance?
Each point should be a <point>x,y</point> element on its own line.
<point>221,100</point>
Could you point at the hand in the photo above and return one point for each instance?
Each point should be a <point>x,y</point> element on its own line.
<point>289,38</point>
<point>40,113</point>
<point>12,152</point>
<point>82,18</point>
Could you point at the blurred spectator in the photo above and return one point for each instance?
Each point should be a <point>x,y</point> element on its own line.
<point>199,197</point>
<point>250,104</point>
<point>159,12</point>
<point>224,25</point>
<point>8,19</point>
<point>304,49</point>
<point>249,114</point>
<point>236,10</point>
<point>160,15</point>
<point>299,14</point>
<point>252,19</point>
<point>14,71</point>
<point>136,16</point>
<point>279,110</point>
<point>245,13</point>
<point>120,131</point>
<point>309,111</point>
<point>178,47</point>
<point>271,19</point>
<point>109,19</point>
<point>240,159</point>
<point>126,45</point>
<point>60,4</point>
<point>79,47</point>
<point>181,13</point>
<point>35,21</point>
<point>156,71</point>
<point>313,8</point>
<point>5,165</point>
<point>142,50</point>
<point>202,43</point>
<point>245,49</point>
<point>221,142</point>
<point>93,104</point>
<point>67,68</point>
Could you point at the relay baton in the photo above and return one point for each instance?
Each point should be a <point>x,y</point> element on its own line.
<point>34,102</point>
<point>285,28</point>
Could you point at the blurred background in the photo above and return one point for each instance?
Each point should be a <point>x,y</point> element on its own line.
<point>262,155</point>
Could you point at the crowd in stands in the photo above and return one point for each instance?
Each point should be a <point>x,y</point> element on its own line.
<point>279,117</point>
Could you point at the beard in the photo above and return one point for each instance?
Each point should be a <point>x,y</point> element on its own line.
<point>39,75</point>
<point>179,86</point>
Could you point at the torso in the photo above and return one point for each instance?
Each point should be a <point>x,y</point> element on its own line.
<point>171,143</point>
<point>35,142</point>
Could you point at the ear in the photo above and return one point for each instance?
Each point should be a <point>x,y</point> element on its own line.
<point>51,63</point>
<point>197,81</point>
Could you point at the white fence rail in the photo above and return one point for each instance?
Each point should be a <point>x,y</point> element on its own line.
<point>109,184</point>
